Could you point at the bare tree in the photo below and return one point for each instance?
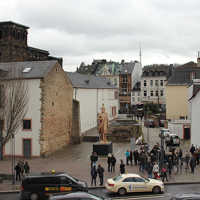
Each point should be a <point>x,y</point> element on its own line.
<point>13,105</point>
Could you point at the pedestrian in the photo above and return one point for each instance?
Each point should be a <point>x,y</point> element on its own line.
<point>135,156</point>
<point>18,172</point>
<point>156,171</point>
<point>26,168</point>
<point>192,149</point>
<point>113,162</point>
<point>122,167</point>
<point>21,163</point>
<point>164,174</point>
<point>93,158</point>
<point>180,154</point>
<point>187,159</point>
<point>170,165</point>
<point>109,162</point>
<point>149,169</point>
<point>100,171</point>
<point>131,158</point>
<point>127,154</point>
<point>93,175</point>
<point>192,164</point>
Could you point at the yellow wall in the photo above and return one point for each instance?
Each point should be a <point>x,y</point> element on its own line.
<point>176,101</point>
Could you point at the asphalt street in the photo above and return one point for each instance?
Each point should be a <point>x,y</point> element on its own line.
<point>170,190</point>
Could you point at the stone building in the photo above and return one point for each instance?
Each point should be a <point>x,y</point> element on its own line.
<point>14,46</point>
<point>47,126</point>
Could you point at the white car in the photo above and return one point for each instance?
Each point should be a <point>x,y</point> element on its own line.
<point>126,183</point>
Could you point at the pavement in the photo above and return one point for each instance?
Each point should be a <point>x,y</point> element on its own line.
<point>75,160</point>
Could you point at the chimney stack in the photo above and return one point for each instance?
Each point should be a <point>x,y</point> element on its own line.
<point>198,59</point>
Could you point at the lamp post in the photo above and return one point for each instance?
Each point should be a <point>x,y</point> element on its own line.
<point>13,157</point>
<point>162,139</point>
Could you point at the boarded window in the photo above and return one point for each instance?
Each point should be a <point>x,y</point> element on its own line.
<point>27,124</point>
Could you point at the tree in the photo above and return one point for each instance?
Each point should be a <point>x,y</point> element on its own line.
<point>13,105</point>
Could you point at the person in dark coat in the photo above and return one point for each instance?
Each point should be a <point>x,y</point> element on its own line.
<point>100,171</point>
<point>164,174</point>
<point>18,172</point>
<point>26,168</point>
<point>109,162</point>
<point>192,149</point>
<point>192,164</point>
<point>135,156</point>
<point>93,175</point>
<point>131,158</point>
<point>113,162</point>
<point>122,167</point>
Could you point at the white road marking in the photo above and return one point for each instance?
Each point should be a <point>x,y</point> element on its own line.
<point>140,197</point>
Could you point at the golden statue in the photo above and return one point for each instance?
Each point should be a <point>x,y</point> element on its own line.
<point>103,124</point>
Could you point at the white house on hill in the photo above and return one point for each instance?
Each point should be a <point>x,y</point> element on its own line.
<point>91,92</point>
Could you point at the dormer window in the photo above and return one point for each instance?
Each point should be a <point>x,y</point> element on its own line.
<point>26,70</point>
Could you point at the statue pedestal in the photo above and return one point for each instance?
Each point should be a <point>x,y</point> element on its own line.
<point>103,149</point>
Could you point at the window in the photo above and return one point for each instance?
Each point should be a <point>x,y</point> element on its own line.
<point>137,179</point>
<point>124,79</point>
<point>151,83</point>
<point>145,93</point>
<point>133,99</point>
<point>138,94</point>
<point>27,125</point>
<point>130,179</point>
<point>138,99</point>
<point>116,94</point>
<point>156,83</point>
<point>151,92</point>
<point>161,82</point>
<point>156,92</point>
<point>161,93</point>
<point>145,83</point>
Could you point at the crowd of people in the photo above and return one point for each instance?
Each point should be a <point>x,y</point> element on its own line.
<point>150,162</point>
<point>22,169</point>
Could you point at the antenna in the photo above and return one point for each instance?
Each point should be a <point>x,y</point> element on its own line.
<point>140,54</point>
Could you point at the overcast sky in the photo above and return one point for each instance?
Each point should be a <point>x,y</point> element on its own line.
<point>83,30</point>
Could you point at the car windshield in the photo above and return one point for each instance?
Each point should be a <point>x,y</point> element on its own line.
<point>117,178</point>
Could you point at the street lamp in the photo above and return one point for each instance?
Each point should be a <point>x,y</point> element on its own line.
<point>162,139</point>
<point>13,157</point>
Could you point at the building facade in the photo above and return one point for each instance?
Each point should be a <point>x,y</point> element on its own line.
<point>177,106</point>
<point>92,92</point>
<point>153,84</point>
<point>14,45</point>
<point>47,126</point>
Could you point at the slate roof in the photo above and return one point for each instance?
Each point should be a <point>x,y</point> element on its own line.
<point>39,69</point>
<point>13,23</point>
<point>137,87</point>
<point>127,68</point>
<point>89,81</point>
<point>182,74</point>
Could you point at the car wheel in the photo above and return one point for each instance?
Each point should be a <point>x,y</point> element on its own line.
<point>122,191</point>
<point>156,190</point>
<point>34,196</point>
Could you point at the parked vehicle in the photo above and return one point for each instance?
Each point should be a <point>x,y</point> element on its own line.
<point>43,186</point>
<point>78,196</point>
<point>127,183</point>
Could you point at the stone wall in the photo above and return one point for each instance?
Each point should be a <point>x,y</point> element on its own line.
<point>75,139</point>
<point>56,111</point>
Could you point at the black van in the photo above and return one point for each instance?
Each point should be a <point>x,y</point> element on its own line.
<point>43,186</point>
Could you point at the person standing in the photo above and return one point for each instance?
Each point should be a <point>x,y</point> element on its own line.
<point>26,168</point>
<point>149,169</point>
<point>18,172</point>
<point>113,162</point>
<point>109,162</point>
<point>155,170</point>
<point>93,158</point>
<point>122,167</point>
<point>164,174</point>
<point>93,175</point>
<point>131,158</point>
<point>192,149</point>
<point>100,171</point>
<point>192,164</point>
<point>136,156</point>
<point>127,154</point>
